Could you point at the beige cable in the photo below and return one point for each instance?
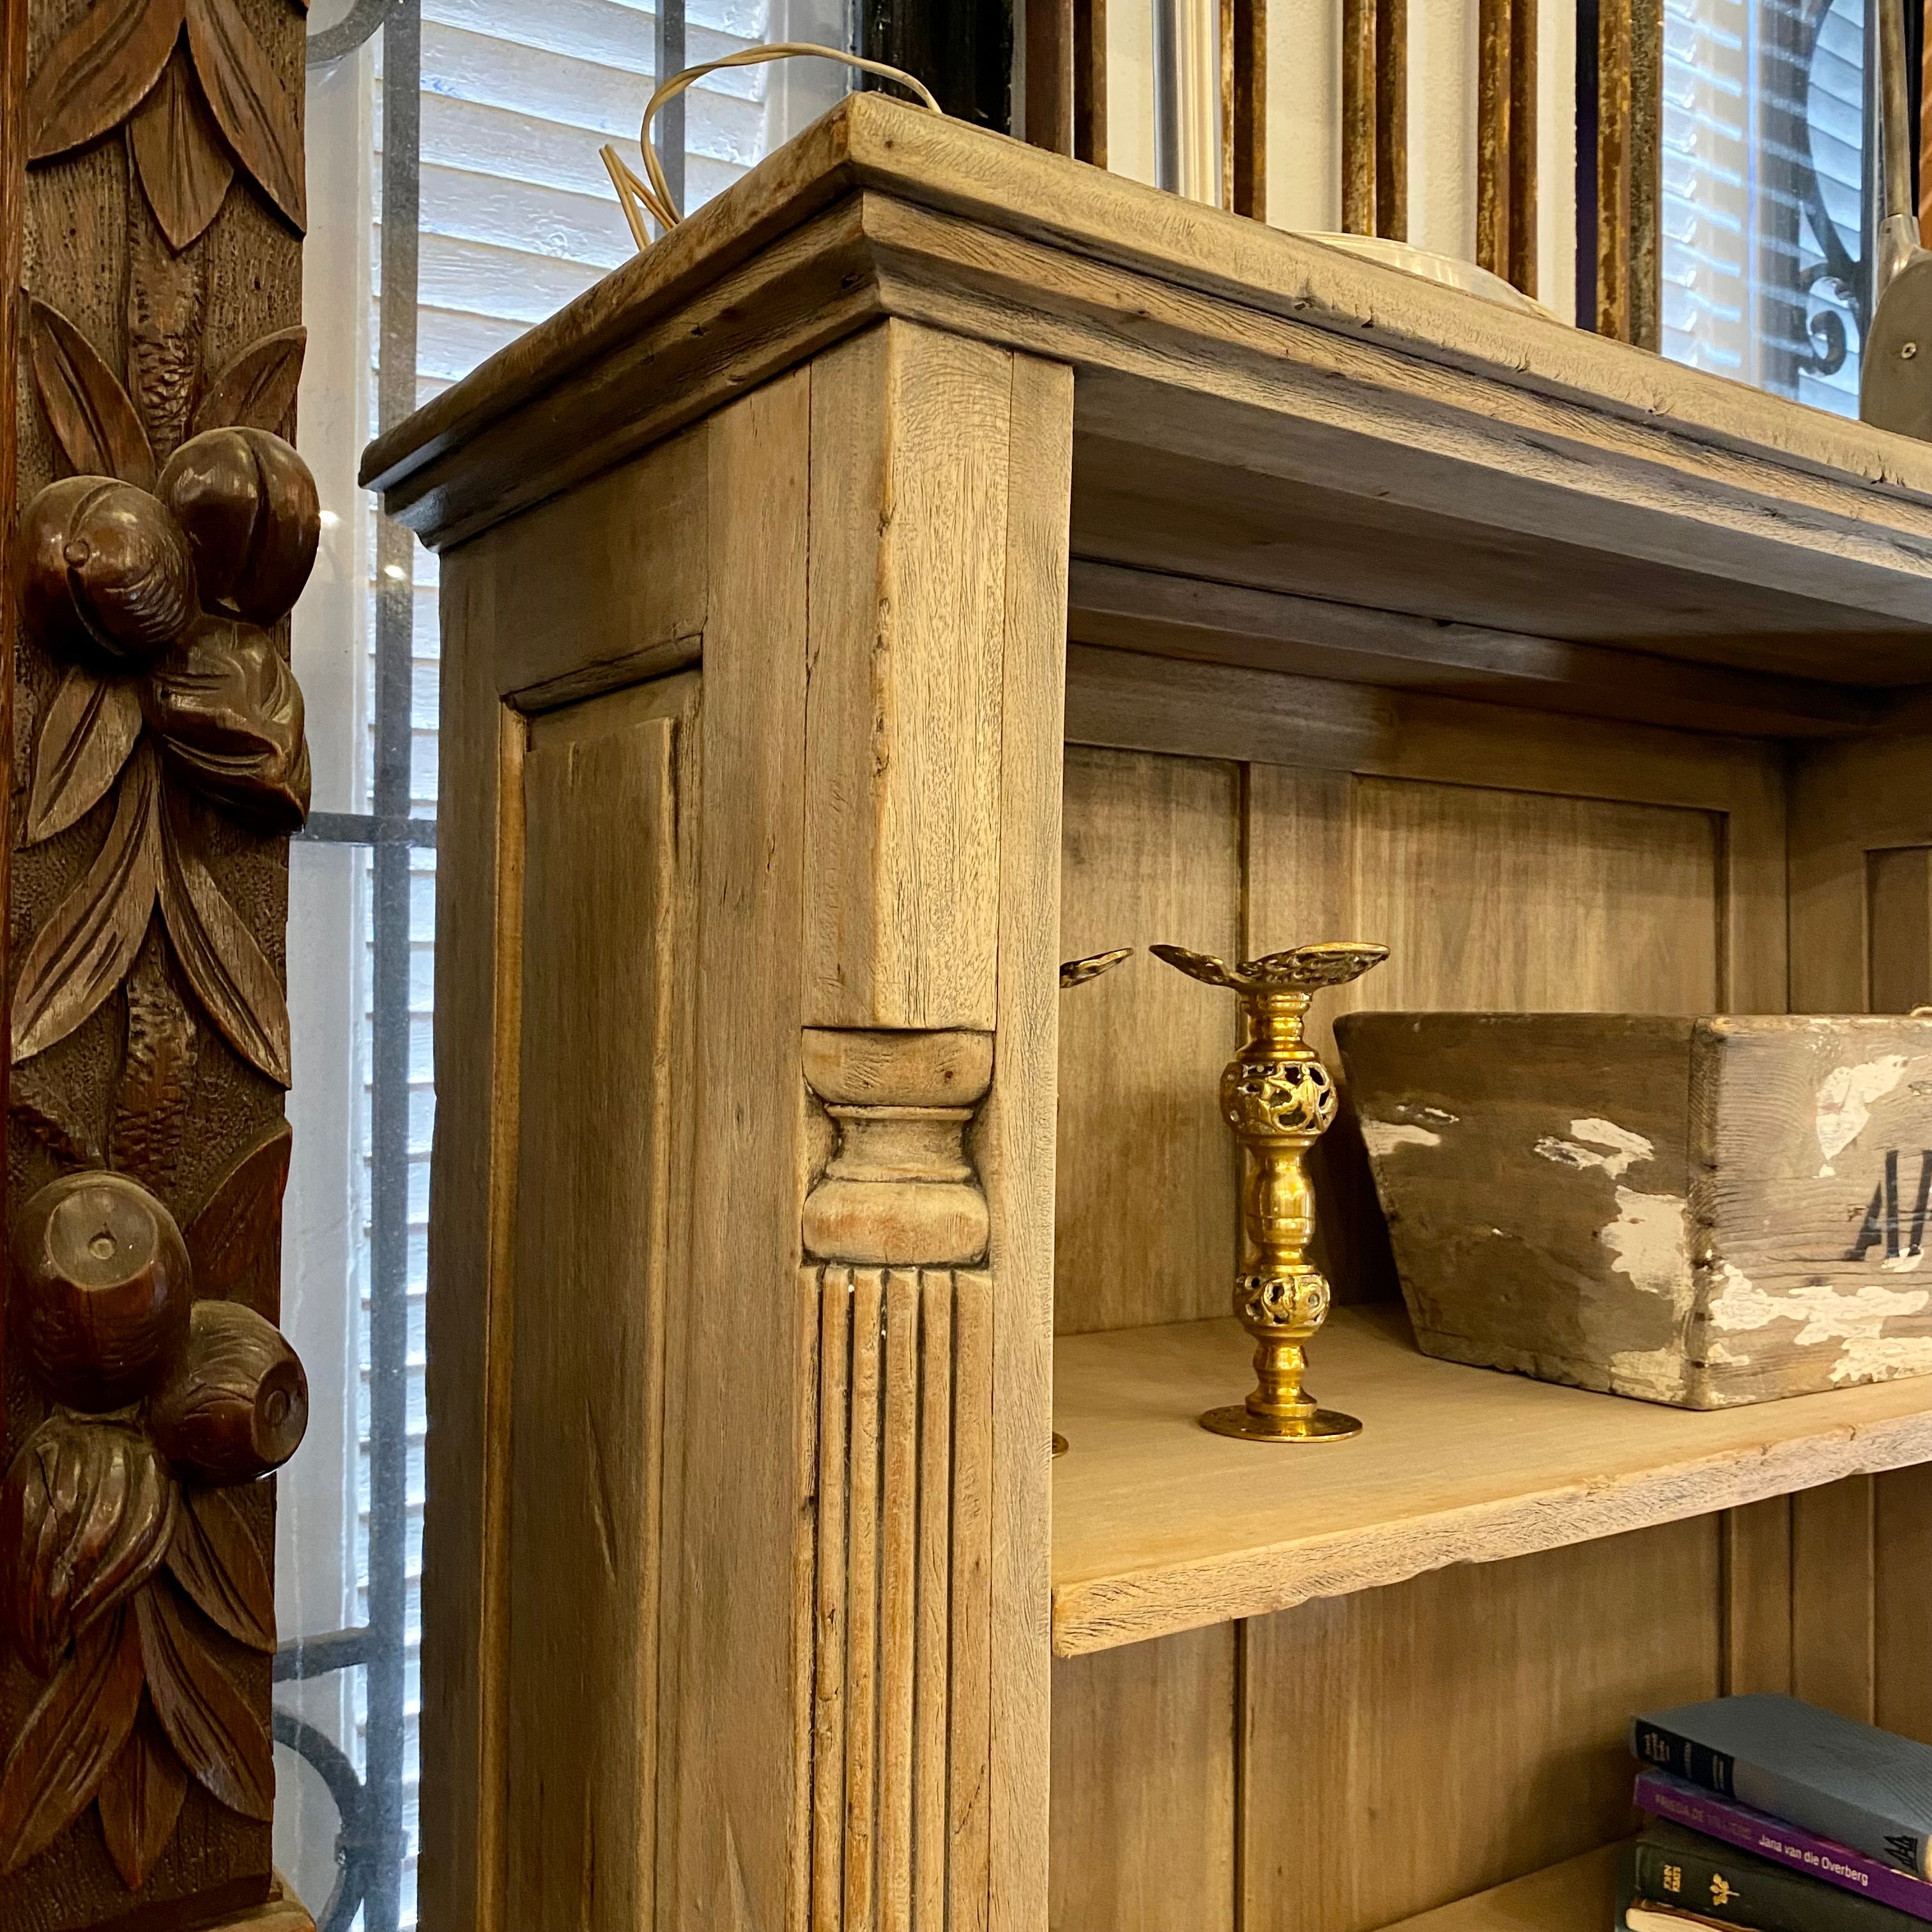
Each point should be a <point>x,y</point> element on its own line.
<point>640,198</point>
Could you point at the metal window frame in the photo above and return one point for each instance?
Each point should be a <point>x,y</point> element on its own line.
<point>372,1843</point>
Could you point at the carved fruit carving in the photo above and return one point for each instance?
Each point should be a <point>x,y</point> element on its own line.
<point>160,625</point>
<point>249,506</point>
<point>127,1573</point>
<point>101,1295</point>
<point>237,1404</point>
<point>105,572</point>
<point>228,714</point>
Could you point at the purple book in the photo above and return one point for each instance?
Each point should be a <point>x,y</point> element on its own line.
<point>1684,1803</point>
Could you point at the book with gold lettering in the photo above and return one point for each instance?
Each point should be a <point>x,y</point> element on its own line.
<point>1832,1865</point>
<point>1698,1877</point>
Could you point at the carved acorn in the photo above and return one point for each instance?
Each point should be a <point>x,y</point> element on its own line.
<point>106,573</point>
<point>252,518</point>
<point>86,1512</point>
<point>101,1289</point>
<point>237,1404</point>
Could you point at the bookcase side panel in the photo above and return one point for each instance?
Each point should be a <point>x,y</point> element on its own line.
<point>593,592</point>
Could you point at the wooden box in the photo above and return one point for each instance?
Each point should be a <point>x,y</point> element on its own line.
<point>1696,1211</point>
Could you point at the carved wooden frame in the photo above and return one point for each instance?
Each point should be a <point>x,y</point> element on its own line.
<point>168,527</point>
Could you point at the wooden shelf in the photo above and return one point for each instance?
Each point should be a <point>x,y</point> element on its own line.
<point>1158,1526</point>
<point>1579,1895</point>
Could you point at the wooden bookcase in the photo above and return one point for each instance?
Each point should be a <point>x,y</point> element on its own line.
<point>936,558</point>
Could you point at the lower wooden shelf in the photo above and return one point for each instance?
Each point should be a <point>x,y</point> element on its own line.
<point>1158,1526</point>
<point>1579,1895</point>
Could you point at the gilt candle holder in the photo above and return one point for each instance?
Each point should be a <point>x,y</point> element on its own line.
<point>1279,1099</point>
<point>1077,973</point>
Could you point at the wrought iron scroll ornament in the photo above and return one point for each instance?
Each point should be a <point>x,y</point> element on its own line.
<point>134,1578</point>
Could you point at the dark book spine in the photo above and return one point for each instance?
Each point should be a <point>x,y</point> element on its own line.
<point>1667,1751</point>
<point>1744,1892</point>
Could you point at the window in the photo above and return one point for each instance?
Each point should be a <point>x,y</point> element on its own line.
<point>1767,139</point>
<point>456,198</point>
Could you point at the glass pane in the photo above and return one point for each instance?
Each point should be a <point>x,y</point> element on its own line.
<point>1765,181</point>
<point>320,1555</point>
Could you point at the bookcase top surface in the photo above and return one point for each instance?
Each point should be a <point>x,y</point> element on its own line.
<point>1253,408</point>
<point>1160,1527</point>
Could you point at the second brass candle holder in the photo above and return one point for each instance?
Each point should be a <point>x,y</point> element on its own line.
<point>1279,1099</point>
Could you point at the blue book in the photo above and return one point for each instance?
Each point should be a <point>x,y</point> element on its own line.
<point>1867,1788</point>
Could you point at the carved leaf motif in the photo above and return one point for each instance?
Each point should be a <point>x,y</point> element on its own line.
<point>89,940</point>
<point>140,1801</point>
<point>72,1737</point>
<point>215,1559</point>
<point>237,1234</point>
<point>151,1102</point>
<point>87,1512</point>
<point>250,104</point>
<point>98,72</point>
<point>212,1726</point>
<point>178,148</point>
<point>257,389</point>
<point>92,416</point>
<point>90,732</point>
<point>29,1098</point>
<point>226,967</point>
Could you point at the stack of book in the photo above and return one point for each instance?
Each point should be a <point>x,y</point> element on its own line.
<point>1772,1814</point>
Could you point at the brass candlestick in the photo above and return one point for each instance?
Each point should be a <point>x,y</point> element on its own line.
<point>1277,1096</point>
<point>1077,973</point>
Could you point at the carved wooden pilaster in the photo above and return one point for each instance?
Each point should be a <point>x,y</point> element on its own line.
<point>164,527</point>
<point>901,1732</point>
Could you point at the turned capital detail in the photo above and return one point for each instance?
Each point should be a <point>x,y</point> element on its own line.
<point>899,1187</point>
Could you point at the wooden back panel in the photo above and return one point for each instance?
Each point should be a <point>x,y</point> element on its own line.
<point>1349,1763</point>
<point>1508,860</point>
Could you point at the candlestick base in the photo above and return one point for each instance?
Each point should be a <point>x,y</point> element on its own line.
<point>1324,1425</point>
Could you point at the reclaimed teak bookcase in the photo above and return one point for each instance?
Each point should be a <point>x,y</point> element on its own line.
<point>935,560</point>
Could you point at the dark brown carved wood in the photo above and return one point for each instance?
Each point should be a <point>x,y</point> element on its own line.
<point>161,529</point>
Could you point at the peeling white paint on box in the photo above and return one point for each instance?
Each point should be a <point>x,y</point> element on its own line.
<point>1904,1264</point>
<point>1383,1137</point>
<point>1614,1148</point>
<point>1845,1102</point>
<point>1650,1242</point>
<point>1829,1315</point>
<point>1657,1373</point>
<point>1883,1358</point>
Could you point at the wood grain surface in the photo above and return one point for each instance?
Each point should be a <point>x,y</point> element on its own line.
<point>1146,1219</point>
<point>1156,1529</point>
<point>906,617</point>
<point>594,1217</point>
<point>1387,1689</point>
<point>1145,1803</point>
<point>1552,1900</point>
<point>1242,329</point>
